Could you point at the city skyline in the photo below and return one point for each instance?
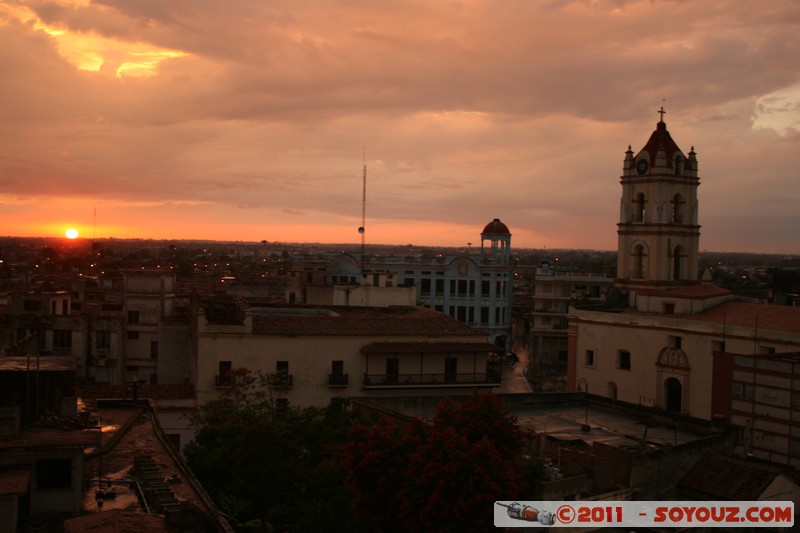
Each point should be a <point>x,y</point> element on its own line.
<point>246,122</point>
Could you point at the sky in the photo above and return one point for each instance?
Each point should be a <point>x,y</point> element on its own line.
<point>248,120</point>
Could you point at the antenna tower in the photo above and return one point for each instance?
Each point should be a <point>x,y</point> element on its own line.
<point>363,229</point>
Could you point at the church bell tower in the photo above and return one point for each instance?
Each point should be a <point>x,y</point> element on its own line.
<point>659,236</point>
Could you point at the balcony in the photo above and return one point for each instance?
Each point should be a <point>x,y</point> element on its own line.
<point>417,381</point>
<point>223,381</point>
<point>337,380</point>
<point>280,381</point>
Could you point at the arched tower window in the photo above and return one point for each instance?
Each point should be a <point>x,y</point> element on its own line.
<point>677,262</point>
<point>638,208</point>
<point>677,209</point>
<point>638,262</point>
<point>679,165</point>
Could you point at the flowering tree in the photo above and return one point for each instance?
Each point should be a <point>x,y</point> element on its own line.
<point>439,477</point>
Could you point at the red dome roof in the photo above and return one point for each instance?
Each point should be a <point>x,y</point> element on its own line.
<point>496,227</point>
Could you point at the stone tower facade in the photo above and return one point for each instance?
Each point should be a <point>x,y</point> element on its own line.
<point>658,230</point>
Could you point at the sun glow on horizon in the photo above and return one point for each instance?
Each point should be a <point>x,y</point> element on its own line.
<point>71,233</point>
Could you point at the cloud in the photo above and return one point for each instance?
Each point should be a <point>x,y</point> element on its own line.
<point>471,110</point>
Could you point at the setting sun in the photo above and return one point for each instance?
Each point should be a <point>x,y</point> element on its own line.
<point>72,233</point>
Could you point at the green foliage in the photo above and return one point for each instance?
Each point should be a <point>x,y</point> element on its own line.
<point>271,467</point>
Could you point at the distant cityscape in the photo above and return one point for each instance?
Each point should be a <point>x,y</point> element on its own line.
<point>655,371</point>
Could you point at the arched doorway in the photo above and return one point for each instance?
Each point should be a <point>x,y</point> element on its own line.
<point>673,395</point>
<point>612,390</point>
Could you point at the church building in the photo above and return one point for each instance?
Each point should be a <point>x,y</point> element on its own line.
<point>657,348</point>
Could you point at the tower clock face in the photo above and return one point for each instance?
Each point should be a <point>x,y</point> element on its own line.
<point>642,165</point>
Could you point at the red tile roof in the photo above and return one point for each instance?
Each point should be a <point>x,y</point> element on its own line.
<point>430,347</point>
<point>698,291</point>
<point>775,317</point>
<point>366,322</point>
<point>729,478</point>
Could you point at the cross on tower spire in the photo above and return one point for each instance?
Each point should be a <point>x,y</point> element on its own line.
<point>661,112</point>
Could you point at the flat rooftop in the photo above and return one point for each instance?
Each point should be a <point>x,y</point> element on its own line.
<point>565,422</point>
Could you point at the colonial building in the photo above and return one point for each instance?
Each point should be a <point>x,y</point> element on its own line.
<point>554,292</point>
<point>474,288</point>
<point>657,350</point>
<point>312,354</point>
<point>133,332</point>
<point>760,393</point>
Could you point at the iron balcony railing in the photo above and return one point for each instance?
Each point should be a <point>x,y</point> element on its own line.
<point>337,380</point>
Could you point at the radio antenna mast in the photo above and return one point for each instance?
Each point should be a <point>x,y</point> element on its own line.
<point>363,229</point>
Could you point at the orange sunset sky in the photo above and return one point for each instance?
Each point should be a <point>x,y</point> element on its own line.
<point>247,120</point>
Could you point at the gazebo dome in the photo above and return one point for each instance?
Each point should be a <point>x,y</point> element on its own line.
<point>496,227</point>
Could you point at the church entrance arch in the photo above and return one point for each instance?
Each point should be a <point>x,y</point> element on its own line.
<point>672,380</point>
<point>673,395</point>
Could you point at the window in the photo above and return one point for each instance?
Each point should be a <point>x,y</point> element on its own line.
<point>717,346</point>
<point>154,350</point>
<point>450,369</point>
<point>639,208</point>
<point>282,368</point>
<point>425,286</point>
<point>53,474</point>
<point>678,166</point>
<point>133,335</point>
<point>337,377</point>
<point>624,360</point>
<point>677,209</point>
<point>102,339</point>
<point>32,305</point>
<point>224,373</point>
<point>62,339</point>
<point>669,309</point>
<point>674,341</point>
<point>133,317</point>
<point>392,369</point>
<point>588,358</point>
<point>742,391</point>
<point>462,288</point>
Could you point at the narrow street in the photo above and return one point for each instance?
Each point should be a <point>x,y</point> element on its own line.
<point>512,379</point>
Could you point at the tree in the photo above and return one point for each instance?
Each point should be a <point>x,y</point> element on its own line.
<point>442,476</point>
<point>268,466</point>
